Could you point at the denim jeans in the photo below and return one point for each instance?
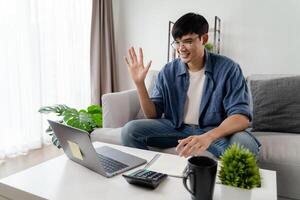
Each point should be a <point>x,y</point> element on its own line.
<point>160,133</point>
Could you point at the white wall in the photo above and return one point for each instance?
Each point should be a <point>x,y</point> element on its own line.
<point>261,35</point>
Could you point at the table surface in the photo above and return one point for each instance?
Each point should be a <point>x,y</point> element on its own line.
<point>61,178</point>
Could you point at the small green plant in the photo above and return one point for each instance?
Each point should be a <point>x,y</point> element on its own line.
<point>239,168</point>
<point>86,120</point>
<point>209,47</point>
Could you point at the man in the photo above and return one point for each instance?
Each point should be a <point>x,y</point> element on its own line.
<point>200,101</point>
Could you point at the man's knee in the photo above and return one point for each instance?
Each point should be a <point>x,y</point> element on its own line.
<point>247,140</point>
<point>131,132</point>
<point>126,133</point>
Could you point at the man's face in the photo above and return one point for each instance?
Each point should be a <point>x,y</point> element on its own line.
<point>189,47</point>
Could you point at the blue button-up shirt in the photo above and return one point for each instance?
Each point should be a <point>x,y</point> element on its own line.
<point>224,92</point>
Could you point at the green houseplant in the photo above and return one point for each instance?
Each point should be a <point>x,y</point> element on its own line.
<point>209,46</point>
<point>86,120</point>
<point>239,168</point>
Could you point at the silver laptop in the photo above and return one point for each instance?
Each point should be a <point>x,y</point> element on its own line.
<point>104,160</point>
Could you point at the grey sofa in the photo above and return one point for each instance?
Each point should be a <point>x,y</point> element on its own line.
<point>280,151</point>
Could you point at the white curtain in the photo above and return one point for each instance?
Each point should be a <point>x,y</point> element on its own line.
<point>44,60</point>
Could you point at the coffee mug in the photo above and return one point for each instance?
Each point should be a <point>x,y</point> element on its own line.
<point>201,172</point>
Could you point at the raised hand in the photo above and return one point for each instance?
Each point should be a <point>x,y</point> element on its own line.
<point>136,67</point>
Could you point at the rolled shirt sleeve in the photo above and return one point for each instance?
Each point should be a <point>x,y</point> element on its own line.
<point>157,96</point>
<point>236,100</point>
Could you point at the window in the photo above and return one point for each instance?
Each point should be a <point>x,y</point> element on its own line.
<point>45,51</point>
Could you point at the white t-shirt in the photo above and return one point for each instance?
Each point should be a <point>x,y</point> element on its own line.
<point>194,96</point>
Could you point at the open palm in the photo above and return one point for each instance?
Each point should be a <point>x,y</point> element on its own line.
<point>136,66</point>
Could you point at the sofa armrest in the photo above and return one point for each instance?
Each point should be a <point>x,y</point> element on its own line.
<point>120,107</point>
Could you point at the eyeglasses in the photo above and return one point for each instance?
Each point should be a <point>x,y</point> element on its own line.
<point>187,43</point>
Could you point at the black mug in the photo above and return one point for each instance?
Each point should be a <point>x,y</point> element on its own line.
<point>201,172</point>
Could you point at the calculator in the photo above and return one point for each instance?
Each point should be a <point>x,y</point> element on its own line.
<point>145,178</point>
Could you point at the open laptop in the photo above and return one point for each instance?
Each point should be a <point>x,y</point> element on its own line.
<point>104,160</point>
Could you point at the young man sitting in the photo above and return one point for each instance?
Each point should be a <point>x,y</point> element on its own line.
<point>200,100</point>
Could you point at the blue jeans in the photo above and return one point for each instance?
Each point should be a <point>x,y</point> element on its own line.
<point>160,133</point>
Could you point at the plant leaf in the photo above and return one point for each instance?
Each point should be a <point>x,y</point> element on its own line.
<point>239,168</point>
<point>94,109</point>
<point>58,109</point>
<point>97,118</point>
<point>86,120</point>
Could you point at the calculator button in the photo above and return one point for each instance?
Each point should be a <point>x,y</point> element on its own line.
<point>140,174</point>
<point>145,178</point>
<point>152,175</point>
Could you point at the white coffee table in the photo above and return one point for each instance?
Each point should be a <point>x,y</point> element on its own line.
<point>60,178</point>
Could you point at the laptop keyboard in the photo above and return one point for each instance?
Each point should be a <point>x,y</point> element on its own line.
<point>111,165</point>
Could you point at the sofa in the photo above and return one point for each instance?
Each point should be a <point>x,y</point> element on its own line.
<point>280,150</point>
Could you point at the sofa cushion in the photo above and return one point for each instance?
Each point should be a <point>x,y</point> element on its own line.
<point>276,104</point>
<point>280,152</point>
<point>108,135</point>
<point>279,147</point>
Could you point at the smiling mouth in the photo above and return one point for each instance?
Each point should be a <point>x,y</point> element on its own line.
<point>184,55</point>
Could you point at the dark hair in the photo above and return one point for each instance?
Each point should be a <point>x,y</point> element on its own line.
<point>190,23</point>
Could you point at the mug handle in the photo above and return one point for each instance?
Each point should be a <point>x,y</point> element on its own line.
<point>184,182</point>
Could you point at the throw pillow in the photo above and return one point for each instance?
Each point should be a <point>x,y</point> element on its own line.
<point>276,104</point>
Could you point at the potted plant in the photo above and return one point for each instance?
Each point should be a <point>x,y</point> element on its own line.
<point>239,168</point>
<point>209,47</point>
<point>86,120</point>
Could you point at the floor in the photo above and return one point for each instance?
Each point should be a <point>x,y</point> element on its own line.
<point>34,157</point>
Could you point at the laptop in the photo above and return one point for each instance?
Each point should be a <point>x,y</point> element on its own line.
<point>104,160</point>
